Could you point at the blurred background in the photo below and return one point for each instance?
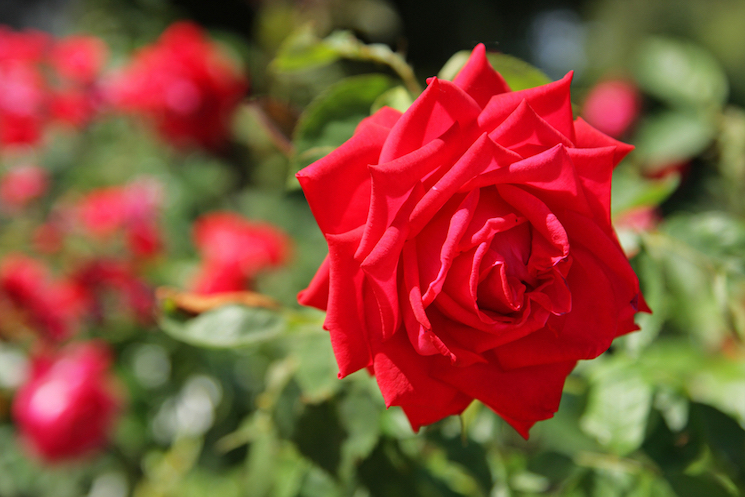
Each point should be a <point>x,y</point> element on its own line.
<point>150,340</point>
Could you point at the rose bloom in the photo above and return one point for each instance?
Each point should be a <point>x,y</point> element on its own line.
<point>22,184</point>
<point>612,107</point>
<point>68,407</point>
<point>471,253</point>
<point>185,85</point>
<point>234,250</point>
<point>51,307</point>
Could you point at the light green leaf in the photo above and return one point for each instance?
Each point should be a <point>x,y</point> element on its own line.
<point>680,73</point>
<point>397,98</point>
<point>316,367</point>
<point>630,189</point>
<point>672,138</point>
<point>226,327</point>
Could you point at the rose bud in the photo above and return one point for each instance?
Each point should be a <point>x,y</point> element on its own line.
<point>471,251</point>
<point>68,407</point>
<point>612,107</point>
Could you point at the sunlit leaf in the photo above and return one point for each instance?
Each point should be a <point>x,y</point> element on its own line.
<point>671,138</point>
<point>225,327</point>
<point>618,406</point>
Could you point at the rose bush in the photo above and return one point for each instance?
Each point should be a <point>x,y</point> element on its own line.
<point>471,252</point>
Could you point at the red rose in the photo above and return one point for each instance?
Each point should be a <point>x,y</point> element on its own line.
<point>471,253</point>
<point>234,250</point>
<point>68,406</point>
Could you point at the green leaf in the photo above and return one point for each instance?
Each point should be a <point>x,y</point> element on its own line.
<point>316,372</point>
<point>225,327</point>
<point>630,189</point>
<point>682,74</point>
<point>671,138</point>
<point>618,405</point>
<point>518,73</point>
<point>397,98</point>
<point>332,117</point>
<point>303,50</point>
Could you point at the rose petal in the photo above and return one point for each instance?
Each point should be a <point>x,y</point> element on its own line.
<point>587,331</point>
<point>317,293</point>
<point>432,113</point>
<point>552,102</point>
<point>479,79</point>
<point>589,137</point>
<point>338,186</point>
<point>525,133</point>
<point>521,396</point>
<point>403,378</point>
<point>345,318</point>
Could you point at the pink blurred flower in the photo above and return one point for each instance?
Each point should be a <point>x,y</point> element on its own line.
<point>50,307</point>
<point>22,184</point>
<point>23,101</point>
<point>234,250</point>
<point>68,406</point>
<point>184,84</point>
<point>612,107</point>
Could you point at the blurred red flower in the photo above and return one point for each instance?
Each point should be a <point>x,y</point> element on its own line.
<point>50,307</point>
<point>185,85</point>
<point>101,278</point>
<point>234,250</point>
<point>22,184</point>
<point>131,209</point>
<point>68,406</point>
<point>78,58</point>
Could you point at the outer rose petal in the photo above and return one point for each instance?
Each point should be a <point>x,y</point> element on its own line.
<point>479,79</point>
<point>521,396</point>
<point>338,186</point>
